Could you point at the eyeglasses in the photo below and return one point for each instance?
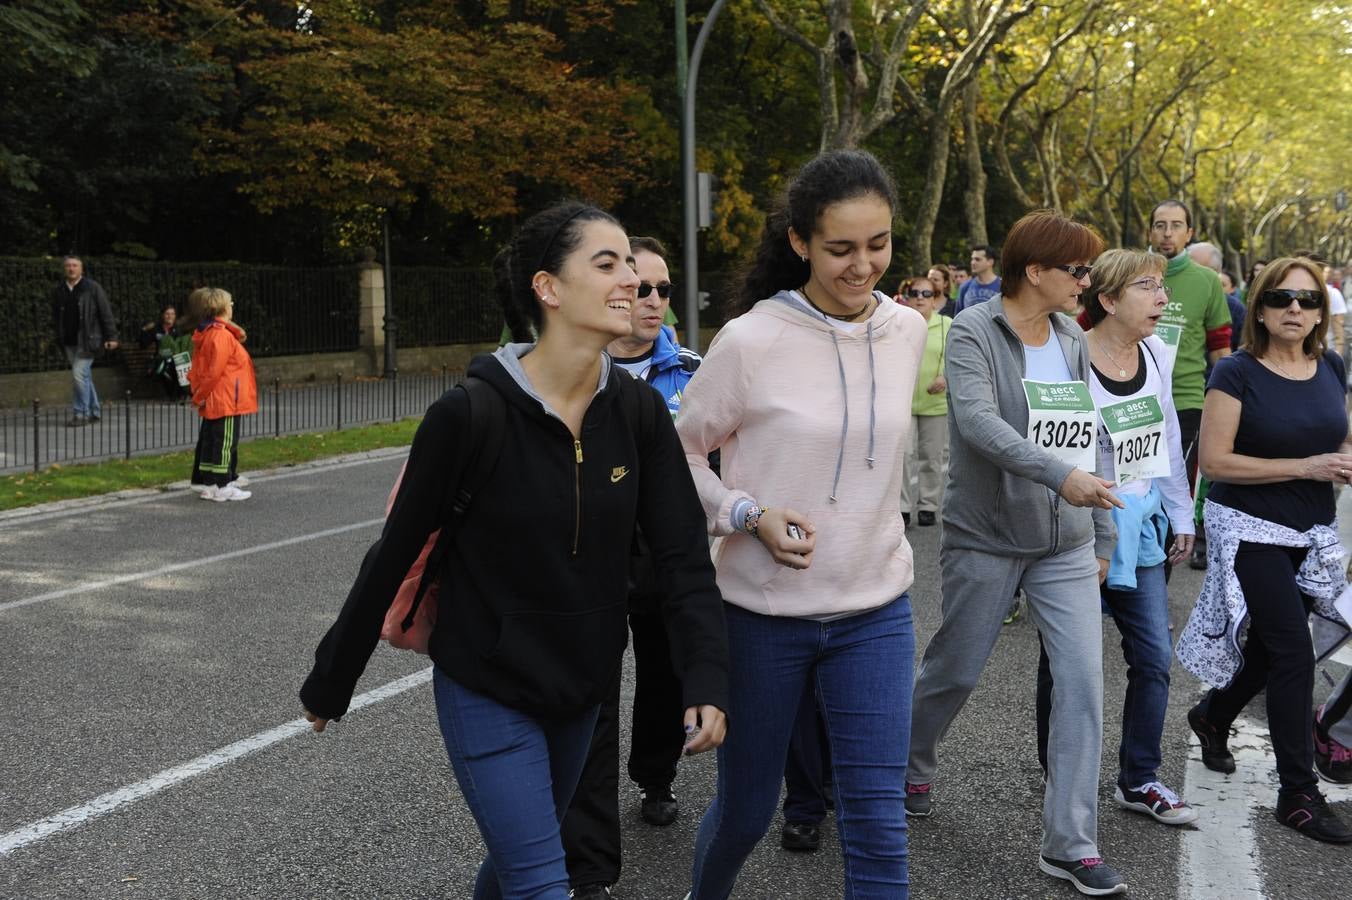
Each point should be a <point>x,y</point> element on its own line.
<point>1154,287</point>
<point>1076,272</point>
<point>663,290</point>
<point>917,292</point>
<point>1280,298</point>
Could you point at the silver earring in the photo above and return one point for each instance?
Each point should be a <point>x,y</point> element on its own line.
<point>804,258</point>
<point>1260,320</point>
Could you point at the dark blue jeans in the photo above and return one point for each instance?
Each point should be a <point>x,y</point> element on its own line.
<point>1142,618</point>
<point>517,774</point>
<point>862,668</point>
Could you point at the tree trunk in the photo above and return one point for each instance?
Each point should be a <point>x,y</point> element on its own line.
<point>927,213</point>
<point>974,197</point>
<point>850,128</point>
<point>1006,168</point>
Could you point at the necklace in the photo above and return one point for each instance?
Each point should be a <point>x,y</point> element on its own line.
<point>1121,369</point>
<point>846,318</point>
<point>1276,365</point>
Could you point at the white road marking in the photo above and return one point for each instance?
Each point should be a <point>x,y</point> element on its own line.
<point>76,816</point>
<point>1220,857</point>
<point>90,586</point>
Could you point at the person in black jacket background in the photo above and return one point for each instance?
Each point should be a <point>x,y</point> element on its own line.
<point>531,622</point>
<point>85,326</point>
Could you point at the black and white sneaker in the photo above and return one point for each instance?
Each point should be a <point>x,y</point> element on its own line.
<point>590,892</point>
<point>1157,801</point>
<point>659,806</point>
<point>1091,876</point>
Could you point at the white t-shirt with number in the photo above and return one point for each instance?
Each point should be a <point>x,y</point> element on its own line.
<point>1174,486</point>
<point>1061,412</point>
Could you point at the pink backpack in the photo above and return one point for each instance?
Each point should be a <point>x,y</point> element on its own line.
<point>413,614</point>
<point>415,635</point>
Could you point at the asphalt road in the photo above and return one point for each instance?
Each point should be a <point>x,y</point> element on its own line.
<point>153,646</point>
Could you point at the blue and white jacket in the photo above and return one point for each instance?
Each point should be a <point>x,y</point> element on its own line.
<point>672,368</point>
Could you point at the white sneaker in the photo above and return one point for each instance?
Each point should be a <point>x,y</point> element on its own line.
<point>200,488</point>
<point>240,481</point>
<point>206,491</point>
<point>230,492</point>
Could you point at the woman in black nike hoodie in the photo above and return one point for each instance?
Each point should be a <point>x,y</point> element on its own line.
<point>531,620</point>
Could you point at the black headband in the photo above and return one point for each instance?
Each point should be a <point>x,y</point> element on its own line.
<point>549,245</point>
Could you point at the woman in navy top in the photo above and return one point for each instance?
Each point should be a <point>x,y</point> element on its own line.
<point>1274,441</point>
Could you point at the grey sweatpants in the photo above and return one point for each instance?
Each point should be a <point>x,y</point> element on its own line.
<point>1063,599</point>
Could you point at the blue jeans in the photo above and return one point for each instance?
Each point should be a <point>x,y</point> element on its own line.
<point>862,669</point>
<point>85,399</point>
<point>517,774</point>
<point>1142,617</point>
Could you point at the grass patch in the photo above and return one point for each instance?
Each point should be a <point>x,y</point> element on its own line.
<point>64,482</point>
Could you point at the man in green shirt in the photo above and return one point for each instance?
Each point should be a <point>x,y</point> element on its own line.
<point>1195,325</point>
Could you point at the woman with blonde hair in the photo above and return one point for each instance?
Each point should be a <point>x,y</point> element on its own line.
<point>223,389</point>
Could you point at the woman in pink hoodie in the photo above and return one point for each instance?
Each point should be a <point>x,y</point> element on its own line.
<point>808,395</point>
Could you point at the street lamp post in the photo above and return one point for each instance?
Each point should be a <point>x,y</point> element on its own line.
<point>691,250</point>
<point>391,321</point>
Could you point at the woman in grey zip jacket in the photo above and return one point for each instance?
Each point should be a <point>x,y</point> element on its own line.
<point>1022,509</point>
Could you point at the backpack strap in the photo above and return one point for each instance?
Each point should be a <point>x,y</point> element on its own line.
<point>486,432</point>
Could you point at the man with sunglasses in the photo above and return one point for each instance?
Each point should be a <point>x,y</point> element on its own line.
<point>591,828</point>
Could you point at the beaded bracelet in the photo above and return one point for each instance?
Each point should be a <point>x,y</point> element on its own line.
<point>752,522</point>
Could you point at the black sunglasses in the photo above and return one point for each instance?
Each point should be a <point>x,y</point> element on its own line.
<point>917,292</point>
<point>1076,272</point>
<point>1280,298</point>
<point>663,290</point>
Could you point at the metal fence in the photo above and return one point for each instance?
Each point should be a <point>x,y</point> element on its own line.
<point>444,306</point>
<point>40,436</point>
<point>286,310</point>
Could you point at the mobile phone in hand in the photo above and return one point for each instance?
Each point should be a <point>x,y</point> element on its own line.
<point>795,532</point>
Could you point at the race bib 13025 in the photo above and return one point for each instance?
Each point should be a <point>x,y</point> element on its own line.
<point>1062,419</point>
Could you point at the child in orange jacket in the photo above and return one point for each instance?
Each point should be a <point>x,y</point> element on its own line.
<point>223,389</point>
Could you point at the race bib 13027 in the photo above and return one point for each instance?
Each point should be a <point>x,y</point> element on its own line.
<point>1140,447</point>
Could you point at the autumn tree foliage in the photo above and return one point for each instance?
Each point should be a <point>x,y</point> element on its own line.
<point>286,131</point>
<point>345,109</point>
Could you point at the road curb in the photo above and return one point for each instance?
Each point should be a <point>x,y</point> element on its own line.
<point>100,500</point>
